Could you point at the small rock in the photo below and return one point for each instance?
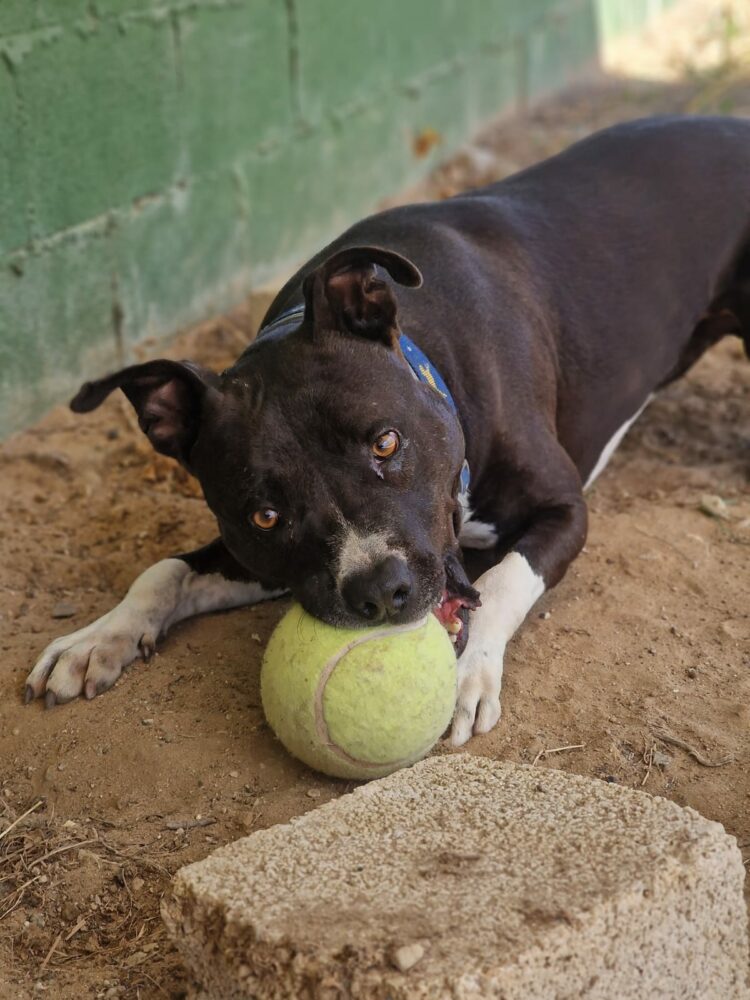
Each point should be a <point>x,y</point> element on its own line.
<point>87,857</point>
<point>691,672</point>
<point>135,959</point>
<point>544,615</point>
<point>407,956</point>
<point>15,731</point>
<point>313,793</point>
<point>248,821</point>
<point>147,722</point>
<point>255,637</point>
<point>714,506</point>
<point>137,884</point>
<point>64,609</point>
<point>234,774</point>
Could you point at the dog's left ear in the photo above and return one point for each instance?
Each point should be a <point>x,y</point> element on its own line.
<point>169,398</point>
<point>345,293</point>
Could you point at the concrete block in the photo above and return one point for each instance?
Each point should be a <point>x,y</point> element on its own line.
<point>561,47</point>
<point>56,318</point>
<point>235,90</point>
<point>494,76</point>
<point>465,878</point>
<point>13,189</point>
<point>19,15</point>
<point>108,135</point>
<point>201,229</point>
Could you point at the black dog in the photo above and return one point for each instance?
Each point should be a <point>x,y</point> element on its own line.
<point>554,304</point>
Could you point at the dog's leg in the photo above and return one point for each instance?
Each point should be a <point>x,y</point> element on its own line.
<point>508,591</point>
<point>90,660</point>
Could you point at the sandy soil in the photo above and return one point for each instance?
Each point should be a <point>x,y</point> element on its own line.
<point>650,628</point>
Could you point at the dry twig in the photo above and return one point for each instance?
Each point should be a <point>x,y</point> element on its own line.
<point>666,737</point>
<point>16,821</point>
<point>648,760</point>
<point>546,753</point>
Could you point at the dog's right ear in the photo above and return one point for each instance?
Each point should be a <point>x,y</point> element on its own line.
<point>168,397</point>
<point>346,294</point>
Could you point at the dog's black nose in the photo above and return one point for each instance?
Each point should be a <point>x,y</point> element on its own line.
<point>380,592</point>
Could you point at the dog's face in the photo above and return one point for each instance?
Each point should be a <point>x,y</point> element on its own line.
<point>331,470</point>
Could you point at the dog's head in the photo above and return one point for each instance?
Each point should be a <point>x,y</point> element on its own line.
<point>331,470</point>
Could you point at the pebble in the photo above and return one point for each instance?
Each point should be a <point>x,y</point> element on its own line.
<point>248,821</point>
<point>137,884</point>
<point>147,722</point>
<point>544,615</point>
<point>234,774</point>
<point>313,793</point>
<point>691,672</point>
<point>407,956</point>
<point>714,506</point>
<point>64,609</point>
<point>135,959</point>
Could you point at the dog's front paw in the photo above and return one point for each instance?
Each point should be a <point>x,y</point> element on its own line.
<point>480,674</point>
<point>90,660</point>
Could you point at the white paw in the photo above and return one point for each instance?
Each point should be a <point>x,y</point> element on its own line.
<point>90,660</point>
<point>480,675</point>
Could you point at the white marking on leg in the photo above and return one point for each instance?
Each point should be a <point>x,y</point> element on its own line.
<point>477,534</point>
<point>90,660</point>
<point>360,552</point>
<point>508,591</point>
<point>611,446</point>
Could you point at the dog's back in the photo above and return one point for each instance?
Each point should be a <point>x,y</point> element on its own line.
<point>620,259</point>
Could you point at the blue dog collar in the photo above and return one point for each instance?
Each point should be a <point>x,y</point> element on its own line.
<point>421,367</point>
<point>424,371</point>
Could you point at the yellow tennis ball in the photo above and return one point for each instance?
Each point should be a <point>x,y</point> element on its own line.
<point>358,703</point>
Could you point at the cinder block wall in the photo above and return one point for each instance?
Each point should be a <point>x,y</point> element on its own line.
<point>159,158</point>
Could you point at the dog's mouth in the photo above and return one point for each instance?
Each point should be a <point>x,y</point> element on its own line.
<point>458,599</point>
<point>448,613</point>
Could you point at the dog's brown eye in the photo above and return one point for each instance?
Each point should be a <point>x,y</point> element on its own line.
<point>266,518</point>
<point>386,445</point>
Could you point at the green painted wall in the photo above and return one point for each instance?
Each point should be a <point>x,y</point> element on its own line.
<point>159,158</point>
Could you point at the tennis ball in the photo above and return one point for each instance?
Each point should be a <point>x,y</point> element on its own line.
<point>358,703</point>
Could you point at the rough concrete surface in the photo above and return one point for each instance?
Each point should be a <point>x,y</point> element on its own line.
<point>462,878</point>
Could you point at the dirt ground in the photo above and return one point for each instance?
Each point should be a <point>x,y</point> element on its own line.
<point>650,629</point>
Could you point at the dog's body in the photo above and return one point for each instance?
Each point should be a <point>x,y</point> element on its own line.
<point>554,305</point>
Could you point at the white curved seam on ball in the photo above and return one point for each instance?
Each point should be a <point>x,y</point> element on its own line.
<point>321,725</point>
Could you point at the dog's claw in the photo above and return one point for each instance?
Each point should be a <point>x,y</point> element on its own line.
<point>50,700</point>
<point>147,648</point>
<point>28,694</point>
